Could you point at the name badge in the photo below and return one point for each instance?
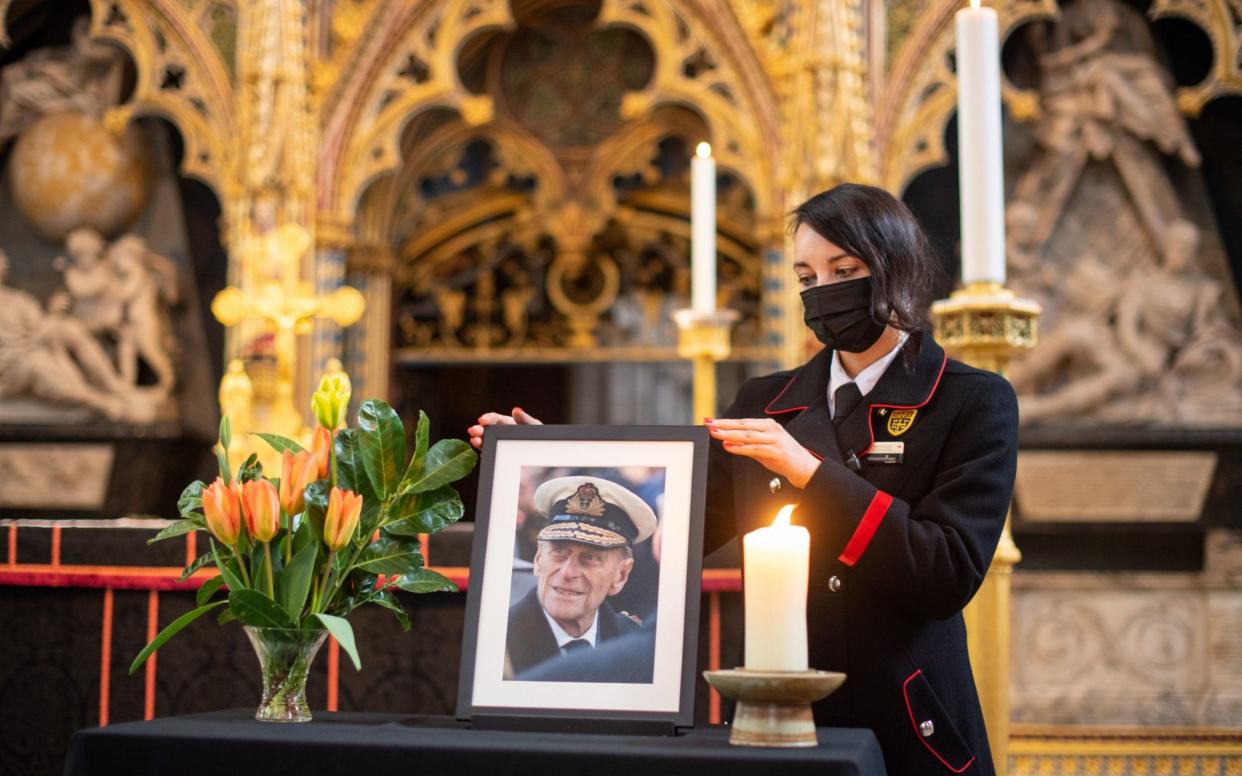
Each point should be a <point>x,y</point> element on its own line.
<point>886,452</point>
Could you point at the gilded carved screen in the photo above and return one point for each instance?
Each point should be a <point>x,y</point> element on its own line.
<point>560,228</point>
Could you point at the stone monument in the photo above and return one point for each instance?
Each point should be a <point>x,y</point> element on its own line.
<point>104,391</point>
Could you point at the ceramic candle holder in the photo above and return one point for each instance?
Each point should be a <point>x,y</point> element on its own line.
<point>774,707</point>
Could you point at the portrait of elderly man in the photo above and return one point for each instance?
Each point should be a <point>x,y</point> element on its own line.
<point>565,629</point>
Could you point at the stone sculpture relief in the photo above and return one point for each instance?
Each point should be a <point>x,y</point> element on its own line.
<point>1129,649</point>
<point>1136,330</point>
<point>86,347</point>
<point>84,77</point>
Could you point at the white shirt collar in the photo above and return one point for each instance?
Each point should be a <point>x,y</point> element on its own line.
<point>867,378</point>
<point>563,638</point>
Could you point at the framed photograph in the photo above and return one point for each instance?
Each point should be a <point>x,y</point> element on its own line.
<point>583,602</point>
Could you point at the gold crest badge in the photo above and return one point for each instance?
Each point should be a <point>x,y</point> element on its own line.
<point>585,501</point>
<point>899,421</point>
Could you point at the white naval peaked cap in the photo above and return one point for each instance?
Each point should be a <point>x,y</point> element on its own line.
<point>593,510</point>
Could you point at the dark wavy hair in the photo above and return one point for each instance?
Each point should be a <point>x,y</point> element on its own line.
<point>880,230</point>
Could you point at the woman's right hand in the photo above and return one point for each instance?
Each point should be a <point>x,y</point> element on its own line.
<point>520,417</point>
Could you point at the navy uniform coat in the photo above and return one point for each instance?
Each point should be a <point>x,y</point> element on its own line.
<point>897,549</point>
<point>532,651</point>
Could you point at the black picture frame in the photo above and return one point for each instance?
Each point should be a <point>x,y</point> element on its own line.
<point>489,696</point>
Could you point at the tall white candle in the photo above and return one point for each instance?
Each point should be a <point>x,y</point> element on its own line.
<point>979,145</point>
<point>776,562</point>
<point>703,229</point>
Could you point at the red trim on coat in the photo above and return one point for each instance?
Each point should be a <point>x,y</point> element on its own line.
<point>905,694</point>
<point>871,408</point>
<point>866,529</point>
<point>768,409</point>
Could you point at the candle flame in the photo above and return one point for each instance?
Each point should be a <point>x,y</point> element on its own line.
<point>703,150</point>
<point>974,5</point>
<point>782,517</point>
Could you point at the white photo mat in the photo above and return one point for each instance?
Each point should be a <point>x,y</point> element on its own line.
<point>663,695</point>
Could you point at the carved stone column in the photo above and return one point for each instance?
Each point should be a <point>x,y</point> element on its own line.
<point>333,241</point>
<point>368,347</point>
<point>822,82</point>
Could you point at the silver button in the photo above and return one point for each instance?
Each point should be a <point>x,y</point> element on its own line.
<point>834,583</point>
<point>926,728</point>
<point>775,485</point>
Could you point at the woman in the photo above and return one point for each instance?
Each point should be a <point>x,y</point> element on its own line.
<point>901,462</point>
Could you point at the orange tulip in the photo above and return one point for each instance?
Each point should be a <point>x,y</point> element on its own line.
<point>261,508</point>
<point>344,509</point>
<point>296,472</point>
<point>321,451</point>
<point>386,581</point>
<point>223,510</point>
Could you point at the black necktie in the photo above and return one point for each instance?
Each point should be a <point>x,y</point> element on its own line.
<point>844,401</point>
<point>576,645</point>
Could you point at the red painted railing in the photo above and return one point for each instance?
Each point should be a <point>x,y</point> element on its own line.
<point>157,579</point>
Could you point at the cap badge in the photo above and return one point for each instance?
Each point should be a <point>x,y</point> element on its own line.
<point>585,501</point>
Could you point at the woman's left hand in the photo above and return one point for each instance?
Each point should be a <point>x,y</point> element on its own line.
<point>767,442</point>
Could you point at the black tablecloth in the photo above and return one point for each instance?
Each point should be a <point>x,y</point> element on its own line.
<point>231,742</point>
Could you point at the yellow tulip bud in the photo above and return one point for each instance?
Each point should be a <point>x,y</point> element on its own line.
<point>331,401</point>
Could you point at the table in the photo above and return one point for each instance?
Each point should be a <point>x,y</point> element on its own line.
<point>231,742</point>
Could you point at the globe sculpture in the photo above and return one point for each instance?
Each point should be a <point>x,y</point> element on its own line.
<point>68,170</point>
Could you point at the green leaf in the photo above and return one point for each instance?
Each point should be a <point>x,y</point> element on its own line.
<point>295,580</point>
<point>199,562</point>
<point>251,469</point>
<point>173,629</point>
<point>225,616</point>
<point>222,461</point>
<point>387,600</point>
<point>390,555</point>
<point>255,608</point>
<point>316,509</point>
<point>303,535</point>
<point>191,501</point>
<point>340,629</point>
<point>226,432</point>
<point>230,579</point>
<point>418,513</point>
<point>422,438</point>
<point>339,563</point>
<point>350,473</point>
<point>447,461</point>
<point>368,521</point>
<point>280,443</point>
<point>208,589</point>
<point>177,528</point>
<point>258,568</point>
<point>383,445</point>
<point>427,581</point>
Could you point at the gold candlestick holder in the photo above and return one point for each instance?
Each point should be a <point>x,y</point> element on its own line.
<point>985,324</point>
<point>774,707</point>
<point>703,338</point>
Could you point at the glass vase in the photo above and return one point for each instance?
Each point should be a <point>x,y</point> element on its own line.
<point>285,658</point>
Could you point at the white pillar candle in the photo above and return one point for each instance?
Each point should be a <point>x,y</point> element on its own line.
<point>979,145</point>
<point>703,229</point>
<point>776,562</point>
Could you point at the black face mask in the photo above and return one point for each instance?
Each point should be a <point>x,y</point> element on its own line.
<point>840,315</point>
